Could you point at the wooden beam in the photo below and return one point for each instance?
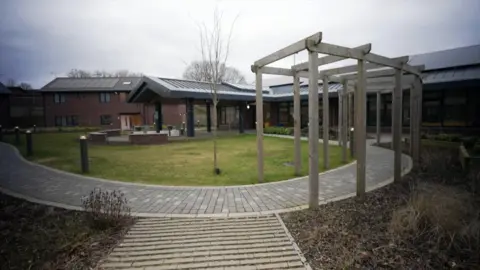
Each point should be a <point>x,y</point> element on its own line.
<point>296,125</point>
<point>325,123</point>
<point>384,72</point>
<point>360,129</point>
<point>341,51</point>
<point>397,126</point>
<point>331,58</point>
<point>313,129</point>
<point>276,71</point>
<point>289,50</point>
<point>344,127</point>
<point>259,111</point>
<point>347,69</point>
<point>407,80</point>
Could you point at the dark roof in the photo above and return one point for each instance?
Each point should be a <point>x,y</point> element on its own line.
<point>176,88</point>
<point>4,89</point>
<point>451,75</point>
<point>92,84</point>
<point>458,57</point>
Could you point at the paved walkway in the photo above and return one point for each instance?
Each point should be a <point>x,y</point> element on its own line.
<point>204,243</point>
<point>37,183</point>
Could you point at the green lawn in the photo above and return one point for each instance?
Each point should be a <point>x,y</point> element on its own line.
<point>178,163</point>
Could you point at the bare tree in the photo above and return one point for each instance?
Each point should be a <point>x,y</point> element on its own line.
<point>80,73</point>
<point>199,71</point>
<point>25,86</point>
<point>11,82</point>
<point>215,49</point>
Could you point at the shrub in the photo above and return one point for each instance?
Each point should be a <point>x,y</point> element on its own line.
<point>106,209</point>
<point>439,216</point>
<point>476,148</point>
<point>469,142</point>
<point>278,130</point>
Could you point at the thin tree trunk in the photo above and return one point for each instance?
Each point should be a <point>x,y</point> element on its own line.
<point>215,102</point>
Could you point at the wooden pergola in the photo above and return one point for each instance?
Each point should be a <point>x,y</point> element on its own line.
<point>372,73</point>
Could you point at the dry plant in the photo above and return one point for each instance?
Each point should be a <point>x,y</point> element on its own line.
<point>106,208</point>
<point>439,217</point>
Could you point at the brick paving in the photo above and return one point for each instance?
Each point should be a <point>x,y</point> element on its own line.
<point>38,183</point>
<point>261,242</point>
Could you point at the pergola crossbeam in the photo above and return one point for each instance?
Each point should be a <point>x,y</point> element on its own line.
<point>346,52</point>
<point>289,50</point>
<point>325,60</point>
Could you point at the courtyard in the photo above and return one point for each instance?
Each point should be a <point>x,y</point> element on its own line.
<point>181,163</point>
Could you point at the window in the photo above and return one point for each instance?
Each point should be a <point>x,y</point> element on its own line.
<point>431,108</point>
<point>455,102</point>
<point>72,120</point>
<point>69,120</point>
<point>104,97</point>
<point>283,113</point>
<point>59,98</point>
<point>105,119</point>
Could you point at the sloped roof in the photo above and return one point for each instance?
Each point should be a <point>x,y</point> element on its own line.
<point>92,84</point>
<point>458,57</point>
<point>4,89</point>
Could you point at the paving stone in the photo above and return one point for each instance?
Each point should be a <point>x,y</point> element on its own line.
<point>39,182</point>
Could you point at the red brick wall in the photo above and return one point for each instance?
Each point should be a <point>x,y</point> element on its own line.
<point>88,108</point>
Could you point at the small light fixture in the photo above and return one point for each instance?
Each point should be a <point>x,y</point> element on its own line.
<point>248,107</point>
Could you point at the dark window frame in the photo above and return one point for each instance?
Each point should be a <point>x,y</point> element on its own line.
<point>103,121</point>
<point>104,97</point>
<point>58,98</point>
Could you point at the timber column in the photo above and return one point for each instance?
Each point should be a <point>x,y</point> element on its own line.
<point>159,117</point>
<point>190,118</point>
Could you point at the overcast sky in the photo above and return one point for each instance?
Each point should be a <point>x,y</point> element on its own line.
<point>41,39</point>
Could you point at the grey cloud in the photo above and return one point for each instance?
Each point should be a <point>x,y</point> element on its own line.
<point>38,38</point>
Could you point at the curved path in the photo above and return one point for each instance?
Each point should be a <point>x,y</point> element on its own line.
<point>41,184</point>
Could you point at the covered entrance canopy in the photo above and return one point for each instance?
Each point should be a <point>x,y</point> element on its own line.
<point>163,91</point>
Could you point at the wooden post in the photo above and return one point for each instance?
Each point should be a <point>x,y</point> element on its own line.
<point>343,121</point>
<point>340,118</point>
<point>379,104</point>
<point>326,124</point>
<point>259,111</point>
<point>313,128</point>
<point>296,124</point>
<point>360,129</point>
<point>397,126</point>
<point>415,119</point>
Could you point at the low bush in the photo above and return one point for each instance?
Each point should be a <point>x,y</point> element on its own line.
<point>439,218</point>
<point>106,209</point>
<point>469,142</point>
<point>278,130</point>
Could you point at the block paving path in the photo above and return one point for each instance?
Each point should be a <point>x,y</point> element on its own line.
<point>41,184</point>
<point>247,243</point>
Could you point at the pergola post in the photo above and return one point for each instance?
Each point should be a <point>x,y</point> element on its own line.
<point>351,137</point>
<point>313,128</point>
<point>209,117</point>
<point>360,129</point>
<point>339,121</point>
<point>379,104</point>
<point>158,119</point>
<point>296,124</point>
<point>397,125</point>
<point>190,118</point>
<point>325,124</point>
<point>344,121</point>
<point>259,112</point>
<point>415,119</point>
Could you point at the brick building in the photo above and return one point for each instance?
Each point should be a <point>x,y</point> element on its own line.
<point>100,102</point>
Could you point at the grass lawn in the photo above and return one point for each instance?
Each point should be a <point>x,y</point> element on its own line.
<point>178,163</point>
